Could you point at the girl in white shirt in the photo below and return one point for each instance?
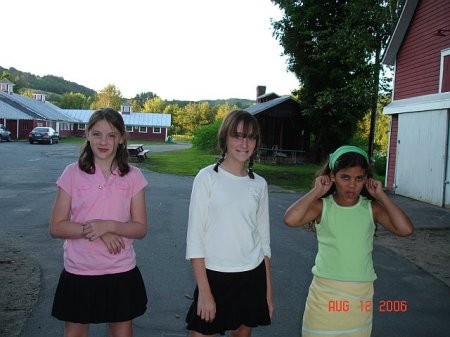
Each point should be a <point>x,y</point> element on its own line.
<point>228,238</point>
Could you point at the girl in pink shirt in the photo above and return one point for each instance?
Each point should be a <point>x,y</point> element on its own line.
<point>99,210</point>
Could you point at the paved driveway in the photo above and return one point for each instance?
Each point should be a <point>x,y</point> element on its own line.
<point>27,190</point>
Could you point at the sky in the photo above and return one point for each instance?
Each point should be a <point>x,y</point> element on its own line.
<point>177,49</point>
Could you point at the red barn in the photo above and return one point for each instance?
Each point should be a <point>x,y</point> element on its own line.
<point>418,157</point>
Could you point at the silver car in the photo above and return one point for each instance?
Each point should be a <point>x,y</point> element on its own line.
<point>43,134</point>
<point>5,134</point>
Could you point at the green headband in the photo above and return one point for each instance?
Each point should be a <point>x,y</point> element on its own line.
<point>346,149</point>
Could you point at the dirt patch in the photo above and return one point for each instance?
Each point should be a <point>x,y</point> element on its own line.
<point>427,248</point>
<point>20,279</point>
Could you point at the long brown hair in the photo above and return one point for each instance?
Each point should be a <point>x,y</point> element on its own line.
<point>229,126</point>
<point>86,159</point>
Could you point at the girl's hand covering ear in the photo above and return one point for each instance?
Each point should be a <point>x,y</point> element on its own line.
<point>323,184</point>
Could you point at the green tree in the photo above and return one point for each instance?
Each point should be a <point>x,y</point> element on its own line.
<point>174,110</point>
<point>334,49</point>
<point>5,74</point>
<point>145,96</point>
<point>382,128</point>
<point>155,104</point>
<point>136,105</point>
<point>205,137</point>
<point>74,100</point>
<point>195,115</point>
<point>224,109</point>
<point>110,96</point>
<point>26,92</point>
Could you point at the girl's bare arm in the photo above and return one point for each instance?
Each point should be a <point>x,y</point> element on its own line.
<point>308,207</point>
<point>136,229</point>
<point>206,306</point>
<point>386,212</point>
<point>60,226</point>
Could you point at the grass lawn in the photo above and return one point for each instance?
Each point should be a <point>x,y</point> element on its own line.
<point>190,161</point>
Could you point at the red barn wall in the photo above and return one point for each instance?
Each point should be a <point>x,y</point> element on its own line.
<point>419,57</point>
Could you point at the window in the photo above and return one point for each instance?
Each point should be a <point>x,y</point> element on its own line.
<point>444,83</point>
<point>143,129</point>
<point>129,128</point>
<point>156,130</point>
<point>81,126</point>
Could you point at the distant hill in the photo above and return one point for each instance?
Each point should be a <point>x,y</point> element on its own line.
<point>242,103</point>
<point>55,87</point>
<point>48,83</point>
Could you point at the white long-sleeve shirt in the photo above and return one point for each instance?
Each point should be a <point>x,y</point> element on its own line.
<point>228,221</point>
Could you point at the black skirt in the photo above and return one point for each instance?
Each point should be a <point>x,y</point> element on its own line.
<point>241,299</point>
<point>99,299</point>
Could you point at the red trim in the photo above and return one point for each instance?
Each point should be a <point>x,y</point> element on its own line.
<point>390,178</point>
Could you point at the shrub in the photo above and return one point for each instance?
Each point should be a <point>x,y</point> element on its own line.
<point>380,164</point>
<point>205,137</point>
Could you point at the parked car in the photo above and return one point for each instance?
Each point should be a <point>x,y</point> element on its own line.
<point>5,134</point>
<point>43,134</point>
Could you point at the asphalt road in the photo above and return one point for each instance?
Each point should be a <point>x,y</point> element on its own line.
<point>27,189</point>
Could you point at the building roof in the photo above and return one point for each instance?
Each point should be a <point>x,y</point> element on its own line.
<point>135,118</point>
<point>395,42</point>
<point>5,80</point>
<point>269,94</point>
<point>259,107</point>
<point>10,112</point>
<point>13,110</point>
<point>46,109</point>
<point>34,108</point>
<point>419,103</point>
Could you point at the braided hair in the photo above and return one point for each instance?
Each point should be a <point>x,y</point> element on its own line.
<point>229,126</point>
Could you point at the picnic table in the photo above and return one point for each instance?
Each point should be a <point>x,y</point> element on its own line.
<point>137,151</point>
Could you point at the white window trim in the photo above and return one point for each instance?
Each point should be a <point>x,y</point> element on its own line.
<point>142,131</point>
<point>131,129</point>
<point>157,128</point>
<point>444,53</point>
<point>81,126</point>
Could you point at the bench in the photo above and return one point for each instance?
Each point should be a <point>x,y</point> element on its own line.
<point>142,155</point>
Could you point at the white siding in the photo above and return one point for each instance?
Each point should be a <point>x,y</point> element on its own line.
<point>422,155</point>
<point>447,178</point>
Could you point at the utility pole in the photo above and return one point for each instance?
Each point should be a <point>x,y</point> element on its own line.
<point>374,103</point>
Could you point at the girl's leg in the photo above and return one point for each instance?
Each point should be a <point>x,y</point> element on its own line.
<point>198,334</point>
<point>76,329</point>
<point>242,331</point>
<point>120,329</point>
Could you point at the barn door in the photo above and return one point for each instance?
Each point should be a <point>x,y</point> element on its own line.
<point>447,177</point>
<point>421,155</point>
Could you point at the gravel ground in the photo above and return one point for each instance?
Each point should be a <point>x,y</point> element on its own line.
<point>20,280</point>
<point>427,248</point>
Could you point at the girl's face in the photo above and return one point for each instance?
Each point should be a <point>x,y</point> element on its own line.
<point>104,139</point>
<point>240,146</point>
<point>349,183</point>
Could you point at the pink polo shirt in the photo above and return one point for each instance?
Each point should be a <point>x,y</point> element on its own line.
<point>93,197</point>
